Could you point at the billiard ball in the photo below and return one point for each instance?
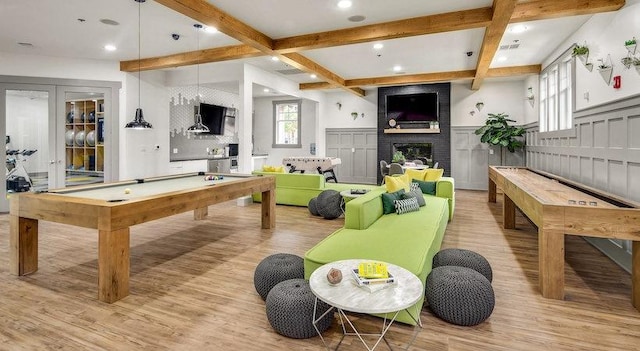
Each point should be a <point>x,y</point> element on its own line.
<point>127,190</point>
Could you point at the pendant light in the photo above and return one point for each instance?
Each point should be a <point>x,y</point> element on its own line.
<point>139,122</point>
<point>198,126</point>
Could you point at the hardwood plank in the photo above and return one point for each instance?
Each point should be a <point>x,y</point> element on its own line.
<point>192,288</point>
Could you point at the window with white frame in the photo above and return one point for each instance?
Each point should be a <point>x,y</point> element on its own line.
<point>556,94</point>
<point>286,124</point>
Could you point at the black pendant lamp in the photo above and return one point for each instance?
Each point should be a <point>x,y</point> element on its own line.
<point>139,122</point>
<point>198,126</point>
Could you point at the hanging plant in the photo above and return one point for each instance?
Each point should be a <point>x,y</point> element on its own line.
<point>627,61</point>
<point>580,50</point>
<point>631,46</point>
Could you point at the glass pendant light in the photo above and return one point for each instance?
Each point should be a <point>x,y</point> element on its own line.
<point>198,126</point>
<point>139,122</point>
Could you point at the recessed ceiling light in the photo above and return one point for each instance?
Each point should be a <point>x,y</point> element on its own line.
<point>265,90</point>
<point>275,58</point>
<point>313,76</point>
<point>378,46</point>
<point>109,22</point>
<point>356,18</point>
<point>210,30</point>
<point>110,47</point>
<point>502,58</point>
<point>344,4</point>
<point>397,68</point>
<point>518,28</point>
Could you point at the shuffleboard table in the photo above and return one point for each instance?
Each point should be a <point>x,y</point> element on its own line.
<point>112,208</point>
<point>560,207</point>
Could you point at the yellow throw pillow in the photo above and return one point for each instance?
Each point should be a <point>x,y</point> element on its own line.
<point>266,168</point>
<point>433,174</point>
<point>394,184</point>
<point>415,173</point>
<point>279,169</point>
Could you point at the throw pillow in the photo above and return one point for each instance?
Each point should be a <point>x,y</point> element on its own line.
<point>433,174</point>
<point>388,205</point>
<point>417,194</point>
<point>279,169</point>
<point>418,174</point>
<point>426,187</point>
<point>414,186</point>
<point>394,184</point>
<point>406,205</point>
<point>266,168</point>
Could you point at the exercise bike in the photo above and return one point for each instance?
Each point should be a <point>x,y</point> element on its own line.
<point>18,179</point>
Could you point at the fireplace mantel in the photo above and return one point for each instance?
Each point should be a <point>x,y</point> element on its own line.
<point>411,130</point>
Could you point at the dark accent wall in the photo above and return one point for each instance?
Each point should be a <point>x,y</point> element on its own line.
<point>441,141</point>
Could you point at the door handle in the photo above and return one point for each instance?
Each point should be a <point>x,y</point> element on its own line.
<point>52,162</point>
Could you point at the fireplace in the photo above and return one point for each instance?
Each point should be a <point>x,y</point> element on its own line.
<point>414,151</point>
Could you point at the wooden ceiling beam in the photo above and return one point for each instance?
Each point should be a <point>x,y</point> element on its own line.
<point>191,58</point>
<point>547,9</point>
<point>502,12</point>
<point>428,77</point>
<point>204,12</point>
<point>445,22</point>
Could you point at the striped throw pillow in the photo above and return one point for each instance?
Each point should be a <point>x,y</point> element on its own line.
<point>406,205</point>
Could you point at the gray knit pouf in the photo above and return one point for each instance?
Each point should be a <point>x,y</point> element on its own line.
<point>290,310</point>
<point>313,206</point>
<point>459,295</point>
<point>330,204</point>
<point>276,268</point>
<point>463,258</point>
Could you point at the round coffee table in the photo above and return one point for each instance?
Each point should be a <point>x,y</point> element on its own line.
<point>346,296</point>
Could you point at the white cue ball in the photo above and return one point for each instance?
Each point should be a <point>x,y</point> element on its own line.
<point>127,190</point>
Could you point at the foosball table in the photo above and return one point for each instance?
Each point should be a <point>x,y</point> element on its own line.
<point>322,165</point>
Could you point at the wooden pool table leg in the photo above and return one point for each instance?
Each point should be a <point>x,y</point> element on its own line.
<point>23,245</point>
<point>200,213</point>
<point>635,275</point>
<point>551,263</point>
<point>268,209</point>
<point>113,265</point>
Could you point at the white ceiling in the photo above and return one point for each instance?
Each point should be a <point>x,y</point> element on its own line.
<point>53,28</point>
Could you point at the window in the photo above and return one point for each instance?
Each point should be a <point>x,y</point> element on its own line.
<point>556,94</point>
<point>286,124</point>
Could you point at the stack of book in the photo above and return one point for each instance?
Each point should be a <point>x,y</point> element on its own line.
<point>373,278</point>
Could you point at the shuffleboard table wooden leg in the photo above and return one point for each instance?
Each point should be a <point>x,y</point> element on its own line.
<point>23,245</point>
<point>635,275</point>
<point>492,191</point>
<point>113,265</point>
<point>551,263</point>
<point>508,213</point>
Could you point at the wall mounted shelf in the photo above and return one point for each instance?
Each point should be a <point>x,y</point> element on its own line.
<point>411,131</point>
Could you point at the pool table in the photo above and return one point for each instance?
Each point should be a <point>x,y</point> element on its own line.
<point>114,207</point>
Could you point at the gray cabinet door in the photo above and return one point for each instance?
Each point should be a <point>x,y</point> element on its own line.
<point>357,150</point>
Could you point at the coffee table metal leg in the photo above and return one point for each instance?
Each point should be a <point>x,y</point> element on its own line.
<point>316,320</point>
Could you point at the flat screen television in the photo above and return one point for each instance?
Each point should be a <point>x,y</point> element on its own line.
<point>213,117</point>
<point>412,108</point>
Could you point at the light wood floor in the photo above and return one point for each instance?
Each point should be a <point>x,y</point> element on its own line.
<point>192,289</point>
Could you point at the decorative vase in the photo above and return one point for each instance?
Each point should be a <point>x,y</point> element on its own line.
<point>606,74</point>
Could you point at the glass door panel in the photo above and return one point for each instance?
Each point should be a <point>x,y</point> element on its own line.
<point>27,115</point>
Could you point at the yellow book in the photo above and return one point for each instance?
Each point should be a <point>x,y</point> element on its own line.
<point>373,270</point>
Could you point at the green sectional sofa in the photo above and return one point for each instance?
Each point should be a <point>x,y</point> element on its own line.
<point>298,188</point>
<point>408,240</point>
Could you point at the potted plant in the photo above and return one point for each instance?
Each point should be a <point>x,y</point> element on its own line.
<point>605,70</point>
<point>579,50</point>
<point>627,61</point>
<point>631,45</point>
<point>398,157</point>
<point>498,132</point>
<point>636,63</point>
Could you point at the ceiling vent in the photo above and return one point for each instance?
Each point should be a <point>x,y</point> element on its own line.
<point>509,46</point>
<point>288,72</point>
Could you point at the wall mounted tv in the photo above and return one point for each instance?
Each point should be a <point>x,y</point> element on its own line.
<point>213,117</point>
<point>412,108</point>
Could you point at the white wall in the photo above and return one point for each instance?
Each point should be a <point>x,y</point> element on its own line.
<point>339,116</point>
<point>498,97</point>
<point>605,35</point>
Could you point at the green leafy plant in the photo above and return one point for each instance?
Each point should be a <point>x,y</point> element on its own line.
<point>398,157</point>
<point>627,61</point>
<point>603,65</point>
<point>497,131</point>
<point>580,50</point>
<point>630,42</point>
<point>635,61</point>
